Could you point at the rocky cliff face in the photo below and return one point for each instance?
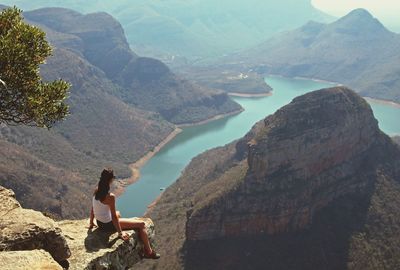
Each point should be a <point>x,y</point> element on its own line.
<point>30,240</point>
<point>396,139</point>
<point>315,182</point>
<point>301,158</point>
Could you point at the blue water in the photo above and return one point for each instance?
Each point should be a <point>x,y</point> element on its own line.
<point>166,166</point>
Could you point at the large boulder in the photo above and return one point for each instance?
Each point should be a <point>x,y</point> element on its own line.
<point>26,229</point>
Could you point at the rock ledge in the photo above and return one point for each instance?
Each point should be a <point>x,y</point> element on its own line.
<point>30,240</point>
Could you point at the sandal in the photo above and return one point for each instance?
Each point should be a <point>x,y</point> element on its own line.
<point>153,255</point>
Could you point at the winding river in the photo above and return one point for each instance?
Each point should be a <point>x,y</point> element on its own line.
<point>166,166</point>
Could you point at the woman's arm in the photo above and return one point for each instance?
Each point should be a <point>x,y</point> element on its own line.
<point>91,224</point>
<point>115,218</point>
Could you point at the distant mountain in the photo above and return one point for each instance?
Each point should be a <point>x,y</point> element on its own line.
<point>195,28</point>
<point>122,106</point>
<point>144,82</point>
<point>356,50</point>
<point>314,186</point>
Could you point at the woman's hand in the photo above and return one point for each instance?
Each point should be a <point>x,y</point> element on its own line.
<point>91,226</point>
<point>124,236</point>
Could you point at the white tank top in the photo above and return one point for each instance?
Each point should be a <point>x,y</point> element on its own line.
<point>101,211</point>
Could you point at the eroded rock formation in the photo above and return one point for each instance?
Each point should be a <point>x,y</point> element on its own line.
<point>301,158</point>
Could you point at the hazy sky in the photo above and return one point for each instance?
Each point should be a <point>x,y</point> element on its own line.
<point>387,11</point>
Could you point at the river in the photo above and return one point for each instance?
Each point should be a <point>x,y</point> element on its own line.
<point>166,166</point>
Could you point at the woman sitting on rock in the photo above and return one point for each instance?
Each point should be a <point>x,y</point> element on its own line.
<point>109,220</point>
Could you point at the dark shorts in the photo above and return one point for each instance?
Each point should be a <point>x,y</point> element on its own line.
<point>107,227</point>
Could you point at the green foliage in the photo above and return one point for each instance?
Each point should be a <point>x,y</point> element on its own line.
<point>24,97</point>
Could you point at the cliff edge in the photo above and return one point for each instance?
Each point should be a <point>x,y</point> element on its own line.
<point>30,240</point>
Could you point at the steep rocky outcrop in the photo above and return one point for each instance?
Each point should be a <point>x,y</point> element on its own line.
<point>316,182</point>
<point>300,159</point>
<point>30,240</point>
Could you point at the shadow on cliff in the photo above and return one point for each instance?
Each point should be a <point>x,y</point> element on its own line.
<point>324,245</point>
<point>97,239</point>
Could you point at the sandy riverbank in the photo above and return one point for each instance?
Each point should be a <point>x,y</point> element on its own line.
<point>383,101</point>
<point>370,99</point>
<point>319,80</point>
<point>219,116</point>
<point>250,95</point>
<point>135,167</point>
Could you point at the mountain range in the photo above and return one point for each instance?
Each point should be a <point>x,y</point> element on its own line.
<point>356,50</point>
<point>122,106</point>
<point>195,28</point>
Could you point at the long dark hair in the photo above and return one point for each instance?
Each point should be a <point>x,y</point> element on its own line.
<point>103,186</point>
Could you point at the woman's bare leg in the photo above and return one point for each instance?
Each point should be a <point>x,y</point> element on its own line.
<point>129,224</point>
